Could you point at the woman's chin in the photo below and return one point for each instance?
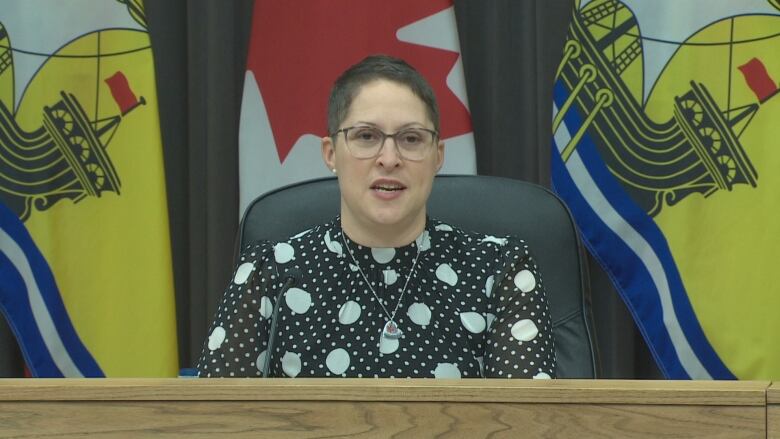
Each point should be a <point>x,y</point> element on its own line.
<point>387,219</point>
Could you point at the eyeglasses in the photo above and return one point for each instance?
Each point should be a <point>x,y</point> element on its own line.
<point>365,142</point>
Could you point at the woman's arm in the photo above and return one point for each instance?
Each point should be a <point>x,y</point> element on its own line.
<point>237,338</point>
<point>519,342</point>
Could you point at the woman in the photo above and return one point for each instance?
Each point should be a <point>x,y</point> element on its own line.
<point>384,290</point>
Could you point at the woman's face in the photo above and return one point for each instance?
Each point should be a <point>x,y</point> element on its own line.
<point>386,194</point>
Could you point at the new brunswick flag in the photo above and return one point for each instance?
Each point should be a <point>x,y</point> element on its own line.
<point>85,264</point>
<point>665,148</point>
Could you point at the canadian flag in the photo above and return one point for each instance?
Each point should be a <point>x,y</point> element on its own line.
<point>296,52</point>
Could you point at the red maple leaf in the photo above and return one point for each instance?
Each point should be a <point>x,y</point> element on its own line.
<point>298,49</point>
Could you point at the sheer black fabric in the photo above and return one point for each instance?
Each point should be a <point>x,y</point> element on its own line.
<point>467,305</point>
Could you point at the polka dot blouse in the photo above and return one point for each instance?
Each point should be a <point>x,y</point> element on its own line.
<point>465,305</point>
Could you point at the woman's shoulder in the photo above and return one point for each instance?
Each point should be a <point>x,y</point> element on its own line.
<point>477,240</point>
<point>310,237</point>
<point>255,250</point>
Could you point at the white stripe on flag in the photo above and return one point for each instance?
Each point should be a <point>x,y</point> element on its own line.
<point>43,320</point>
<point>636,242</point>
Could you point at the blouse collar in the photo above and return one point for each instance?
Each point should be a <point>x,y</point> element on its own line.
<point>382,256</point>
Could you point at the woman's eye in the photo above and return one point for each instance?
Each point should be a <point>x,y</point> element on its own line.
<point>366,135</point>
<point>411,138</point>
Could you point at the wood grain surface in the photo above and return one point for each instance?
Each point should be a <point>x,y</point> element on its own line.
<point>285,408</point>
<point>773,411</point>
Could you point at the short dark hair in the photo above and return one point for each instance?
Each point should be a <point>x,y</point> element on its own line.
<point>370,69</point>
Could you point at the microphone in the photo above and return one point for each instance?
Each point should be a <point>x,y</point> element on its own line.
<point>291,278</point>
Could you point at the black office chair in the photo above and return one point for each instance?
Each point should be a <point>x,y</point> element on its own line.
<point>491,205</point>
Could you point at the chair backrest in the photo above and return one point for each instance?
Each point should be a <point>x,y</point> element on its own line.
<point>492,205</point>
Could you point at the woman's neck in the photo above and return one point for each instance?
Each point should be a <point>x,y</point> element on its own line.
<point>381,235</point>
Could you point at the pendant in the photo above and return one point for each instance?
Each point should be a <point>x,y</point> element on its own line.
<point>391,331</point>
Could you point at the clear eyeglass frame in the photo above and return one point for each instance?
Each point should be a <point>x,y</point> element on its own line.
<point>412,143</point>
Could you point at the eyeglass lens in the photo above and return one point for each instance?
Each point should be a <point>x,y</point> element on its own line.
<point>366,142</point>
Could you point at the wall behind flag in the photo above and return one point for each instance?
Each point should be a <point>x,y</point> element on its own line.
<point>11,362</point>
<point>508,48</point>
<point>200,73</point>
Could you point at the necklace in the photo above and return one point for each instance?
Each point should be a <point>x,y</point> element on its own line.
<point>390,329</point>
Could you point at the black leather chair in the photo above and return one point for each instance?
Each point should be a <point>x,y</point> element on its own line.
<point>493,205</point>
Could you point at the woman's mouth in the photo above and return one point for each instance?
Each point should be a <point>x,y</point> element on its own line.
<point>387,189</point>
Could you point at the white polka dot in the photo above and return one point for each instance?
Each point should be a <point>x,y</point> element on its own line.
<point>524,330</point>
<point>490,318</point>
<point>489,285</point>
<point>443,228</point>
<point>261,359</point>
<point>291,364</point>
<point>337,361</point>
<point>390,276</point>
<point>383,255</point>
<point>333,246</point>
<point>243,272</point>
<point>216,338</point>
<point>473,322</point>
<point>353,267</point>
<point>423,241</point>
<point>266,307</point>
<point>542,376</point>
<point>388,345</point>
<point>349,312</point>
<point>298,300</point>
<point>493,239</point>
<point>283,252</point>
<point>446,274</point>
<point>525,281</point>
<point>419,313</point>
<point>446,370</point>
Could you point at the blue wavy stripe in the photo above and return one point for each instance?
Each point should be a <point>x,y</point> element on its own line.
<point>15,304</point>
<point>19,317</point>
<point>600,240</point>
<point>628,273</point>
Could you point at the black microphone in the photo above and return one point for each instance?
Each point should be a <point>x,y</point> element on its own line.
<point>291,278</point>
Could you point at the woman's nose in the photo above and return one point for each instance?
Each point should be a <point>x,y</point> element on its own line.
<point>389,155</point>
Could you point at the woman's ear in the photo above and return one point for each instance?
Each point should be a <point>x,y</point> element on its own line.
<point>329,153</point>
<point>439,155</point>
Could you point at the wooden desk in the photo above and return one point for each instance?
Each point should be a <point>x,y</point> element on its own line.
<point>773,411</point>
<point>302,408</point>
